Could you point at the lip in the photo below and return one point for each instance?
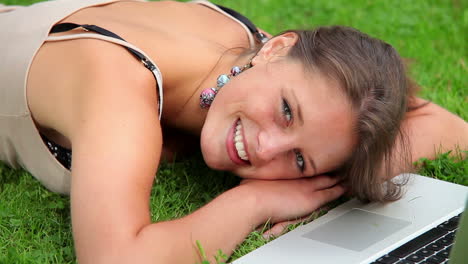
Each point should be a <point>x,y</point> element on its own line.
<point>231,149</point>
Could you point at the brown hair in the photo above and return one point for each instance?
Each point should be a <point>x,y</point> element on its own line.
<point>373,77</point>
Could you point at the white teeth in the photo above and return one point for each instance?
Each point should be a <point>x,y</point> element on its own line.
<point>242,154</point>
<point>239,143</point>
<point>239,146</point>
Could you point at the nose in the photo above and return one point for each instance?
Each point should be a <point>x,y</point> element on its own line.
<point>272,143</point>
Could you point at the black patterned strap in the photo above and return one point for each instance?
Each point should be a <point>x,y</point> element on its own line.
<point>63,27</point>
<point>249,24</point>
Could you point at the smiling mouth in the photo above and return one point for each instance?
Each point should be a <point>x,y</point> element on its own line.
<point>239,142</point>
<point>236,145</point>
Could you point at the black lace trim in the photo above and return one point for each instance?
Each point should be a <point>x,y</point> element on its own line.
<point>62,154</point>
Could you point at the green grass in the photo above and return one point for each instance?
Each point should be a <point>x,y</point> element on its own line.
<point>35,224</point>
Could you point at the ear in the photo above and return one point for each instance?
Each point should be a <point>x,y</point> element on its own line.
<point>276,47</point>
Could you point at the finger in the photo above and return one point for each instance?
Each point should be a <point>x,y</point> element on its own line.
<point>244,181</point>
<point>323,181</point>
<point>264,227</point>
<point>280,228</point>
<point>327,195</point>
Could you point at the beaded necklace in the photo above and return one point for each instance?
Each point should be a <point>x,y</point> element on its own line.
<point>208,95</point>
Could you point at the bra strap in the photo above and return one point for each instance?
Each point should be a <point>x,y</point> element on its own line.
<point>69,26</point>
<point>262,38</point>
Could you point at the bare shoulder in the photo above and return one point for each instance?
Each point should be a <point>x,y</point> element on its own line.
<point>114,106</point>
<point>433,129</point>
<point>80,71</point>
<point>115,86</point>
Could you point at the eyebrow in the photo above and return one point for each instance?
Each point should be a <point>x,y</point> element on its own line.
<point>301,121</point>
<point>312,164</point>
<point>298,109</point>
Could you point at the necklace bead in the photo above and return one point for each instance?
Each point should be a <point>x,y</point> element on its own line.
<point>222,80</point>
<point>208,95</point>
<point>236,70</point>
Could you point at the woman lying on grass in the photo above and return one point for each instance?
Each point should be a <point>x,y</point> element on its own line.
<point>295,116</point>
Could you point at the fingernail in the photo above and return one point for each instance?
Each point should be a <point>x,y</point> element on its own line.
<point>266,236</point>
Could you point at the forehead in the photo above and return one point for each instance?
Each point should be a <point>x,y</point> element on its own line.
<point>327,134</point>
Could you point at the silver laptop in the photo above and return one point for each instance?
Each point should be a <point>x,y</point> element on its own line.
<point>362,233</point>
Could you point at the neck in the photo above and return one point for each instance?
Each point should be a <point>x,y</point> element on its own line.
<point>182,101</point>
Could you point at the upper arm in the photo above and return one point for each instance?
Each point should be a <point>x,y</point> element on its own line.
<point>431,129</point>
<point>116,144</point>
<point>427,131</point>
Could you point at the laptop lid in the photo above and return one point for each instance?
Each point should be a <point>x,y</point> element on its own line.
<point>459,254</point>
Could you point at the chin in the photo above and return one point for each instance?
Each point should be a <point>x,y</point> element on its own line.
<point>209,161</point>
<point>242,174</point>
<point>209,155</point>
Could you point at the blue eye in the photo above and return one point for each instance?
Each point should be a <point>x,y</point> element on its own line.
<point>299,160</point>
<point>287,111</point>
<point>289,117</point>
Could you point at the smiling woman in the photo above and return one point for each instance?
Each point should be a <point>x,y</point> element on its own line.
<point>352,92</point>
<point>306,111</point>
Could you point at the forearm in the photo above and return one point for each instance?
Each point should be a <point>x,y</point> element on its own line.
<point>221,224</point>
<point>227,220</point>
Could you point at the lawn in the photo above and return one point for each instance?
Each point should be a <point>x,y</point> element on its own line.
<point>431,34</point>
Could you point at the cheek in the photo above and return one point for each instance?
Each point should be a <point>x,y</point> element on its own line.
<point>228,100</point>
<point>262,107</point>
<point>249,86</point>
<point>333,154</point>
<point>251,103</point>
<point>205,148</point>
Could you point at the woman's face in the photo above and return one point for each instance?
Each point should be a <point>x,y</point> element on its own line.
<point>275,121</point>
